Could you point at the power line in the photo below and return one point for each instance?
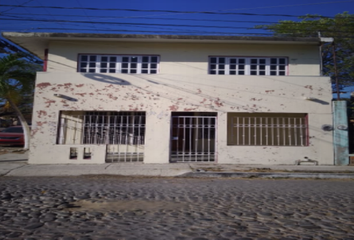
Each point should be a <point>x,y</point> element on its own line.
<point>147,18</point>
<point>176,19</point>
<point>115,23</point>
<point>85,13</point>
<point>154,25</point>
<point>159,11</point>
<point>48,12</point>
<point>174,11</point>
<point>27,10</point>
<point>164,25</point>
<point>292,5</point>
<point>20,5</point>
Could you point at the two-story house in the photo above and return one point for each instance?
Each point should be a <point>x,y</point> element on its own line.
<point>164,99</point>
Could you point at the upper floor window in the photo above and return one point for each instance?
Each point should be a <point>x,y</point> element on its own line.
<point>118,64</point>
<point>248,66</point>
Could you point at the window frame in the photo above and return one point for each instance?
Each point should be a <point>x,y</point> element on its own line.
<point>269,130</point>
<point>118,66</point>
<point>281,69</point>
<point>98,127</point>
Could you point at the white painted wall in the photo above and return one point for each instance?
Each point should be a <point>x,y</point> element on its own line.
<point>186,58</point>
<point>158,94</point>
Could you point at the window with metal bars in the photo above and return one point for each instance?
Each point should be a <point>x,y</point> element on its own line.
<point>102,128</point>
<point>276,66</point>
<point>128,64</point>
<point>267,129</point>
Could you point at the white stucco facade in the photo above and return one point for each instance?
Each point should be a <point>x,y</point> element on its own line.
<point>182,85</point>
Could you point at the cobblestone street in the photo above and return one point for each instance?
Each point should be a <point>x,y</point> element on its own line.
<point>108,207</point>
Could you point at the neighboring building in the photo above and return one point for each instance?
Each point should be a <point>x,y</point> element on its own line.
<point>160,99</point>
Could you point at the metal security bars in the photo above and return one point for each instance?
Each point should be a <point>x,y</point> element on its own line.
<point>193,137</point>
<point>122,132</point>
<point>258,129</point>
<point>118,64</point>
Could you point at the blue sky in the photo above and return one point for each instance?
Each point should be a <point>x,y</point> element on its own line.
<point>223,17</point>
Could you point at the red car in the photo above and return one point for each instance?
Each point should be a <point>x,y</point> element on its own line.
<point>12,136</point>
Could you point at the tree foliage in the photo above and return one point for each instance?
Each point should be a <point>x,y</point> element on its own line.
<point>341,28</point>
<point>17,78</point>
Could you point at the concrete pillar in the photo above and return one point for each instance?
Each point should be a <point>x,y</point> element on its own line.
<point>157,137</point>
<point>340,133</point>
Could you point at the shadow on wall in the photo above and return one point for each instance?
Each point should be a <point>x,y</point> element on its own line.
<point>106,78</point>
<point>319,101</point>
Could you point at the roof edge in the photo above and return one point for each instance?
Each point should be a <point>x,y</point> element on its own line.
<point>201,38</point>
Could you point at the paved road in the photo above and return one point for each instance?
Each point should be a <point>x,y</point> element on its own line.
<point>109,207</point>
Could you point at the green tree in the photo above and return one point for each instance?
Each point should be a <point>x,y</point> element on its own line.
<point>17,78</point>
<point>341,28</point>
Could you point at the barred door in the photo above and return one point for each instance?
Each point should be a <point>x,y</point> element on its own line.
<point>193,137</point>
<point>126,137</point>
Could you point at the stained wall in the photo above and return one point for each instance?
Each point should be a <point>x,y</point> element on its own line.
<point>182,85</point>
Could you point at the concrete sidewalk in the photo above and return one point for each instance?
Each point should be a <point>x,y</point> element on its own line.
<point>15,164</point>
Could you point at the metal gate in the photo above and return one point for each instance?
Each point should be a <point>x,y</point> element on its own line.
<point>193,137</point>
<point>126,137</point>
<point>123,133</point>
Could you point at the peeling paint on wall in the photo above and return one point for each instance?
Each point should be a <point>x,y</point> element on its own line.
<point>43,85</point>
<point>309,87</point>
<point>269,91</point>
<point>41,113</point>
<point>218,102</point>
<point>65,103</point>
<point>49,102</point>
<point>173,108</point>
<point>189,109</point>
<point>67,85</point>
<point>37,127</point>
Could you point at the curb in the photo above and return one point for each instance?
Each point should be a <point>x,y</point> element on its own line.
<point>268,175</point>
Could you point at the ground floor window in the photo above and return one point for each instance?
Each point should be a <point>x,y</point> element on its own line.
<point>103,127</point>
<point>267,129</point>
<point>122,132</point>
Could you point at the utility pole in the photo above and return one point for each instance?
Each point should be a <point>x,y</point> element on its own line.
<point>335,69</point>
